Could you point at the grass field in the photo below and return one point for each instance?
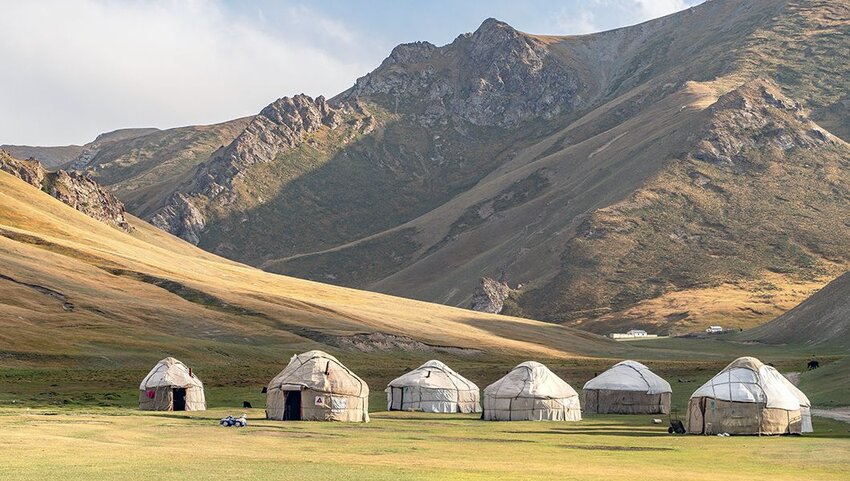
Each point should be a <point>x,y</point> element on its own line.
<point>83,423</point>
<point>123,444</point>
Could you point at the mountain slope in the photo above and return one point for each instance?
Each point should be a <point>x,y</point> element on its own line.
<point>821,320</point>
<point>59,156</point>
<point>75,288</point>
<point>642,176</point>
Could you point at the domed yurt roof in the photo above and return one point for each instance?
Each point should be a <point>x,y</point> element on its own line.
<point>319,371</point>
<point>170,372</point>
<point>629,376</point>
<point>748,380</point>
<point>530,380</point>
<point>434,375</point>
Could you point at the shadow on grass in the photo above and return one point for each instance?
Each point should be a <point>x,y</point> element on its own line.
<point>597,432</point>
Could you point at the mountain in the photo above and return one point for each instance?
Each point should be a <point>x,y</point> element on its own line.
<point>76,290</point>
<point>54,157</point>
<point>667,175</point>
<point>822,320</point>
<point>51,157</point>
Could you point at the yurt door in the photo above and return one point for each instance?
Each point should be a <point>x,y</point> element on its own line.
<point>292,406</point>
<point>179,399</point>
<point>397,397</point>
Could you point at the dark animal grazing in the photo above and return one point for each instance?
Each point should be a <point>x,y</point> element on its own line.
<point>265,390</point>
<point>813,364</point>
<point>246,404</point>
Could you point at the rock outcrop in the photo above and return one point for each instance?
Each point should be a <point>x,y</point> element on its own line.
<point>76,189</point>
<point>279,127</point>
<point>490,296</point>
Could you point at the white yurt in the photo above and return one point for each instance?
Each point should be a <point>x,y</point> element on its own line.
<point>531,392</point>
<point>628,387</point>
<point>315,386</point>
<point>171,386</point>
<point>748,397</point>
<point>435,388</point>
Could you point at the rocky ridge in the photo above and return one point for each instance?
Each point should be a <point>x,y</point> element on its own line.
<point>76,189</point>
<point>495,76</point>
<point>279,127</point>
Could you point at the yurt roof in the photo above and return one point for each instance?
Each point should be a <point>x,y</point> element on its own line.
<point>170,372</point>
<point>629,376</point>
<point>321,372</point>
<point>748,380</point>
<point>434,375</point>
<point>530,379</point>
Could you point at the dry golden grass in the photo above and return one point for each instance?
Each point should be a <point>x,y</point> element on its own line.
<point>97,268</point>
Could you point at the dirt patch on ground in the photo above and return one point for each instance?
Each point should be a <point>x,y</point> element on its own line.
<point>839,414</point>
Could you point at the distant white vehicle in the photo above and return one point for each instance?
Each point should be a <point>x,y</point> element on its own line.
<point>637,333</point>
<point>714,329</point>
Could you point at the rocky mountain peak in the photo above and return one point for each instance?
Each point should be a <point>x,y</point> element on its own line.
<point>492,36</point>
<point>76,189</point>
<point>279,126</point>
<point>411,53</point>
<point>495,76</point>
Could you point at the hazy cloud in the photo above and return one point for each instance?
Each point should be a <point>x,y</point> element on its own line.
<point>74,68</point>
<point>590,16</point>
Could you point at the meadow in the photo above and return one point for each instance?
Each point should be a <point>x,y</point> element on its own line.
<point>83,423</point>
<point>112,443</point>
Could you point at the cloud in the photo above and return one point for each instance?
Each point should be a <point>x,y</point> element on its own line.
<point>571,22</point>
<point>588,16</point>
<point>648,9</point>
<point>75,68</point>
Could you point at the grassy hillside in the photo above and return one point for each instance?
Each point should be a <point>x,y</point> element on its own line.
<point>821,321</point>
<point>828,385</point>
<point>75,291</point>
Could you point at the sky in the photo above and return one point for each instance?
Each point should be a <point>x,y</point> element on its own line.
<point>71,69</point>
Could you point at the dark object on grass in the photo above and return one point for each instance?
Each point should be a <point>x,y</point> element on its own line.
<point>676,426</point>
<point>813,364</point>
<point>265,390</point>
<point>246,405</point>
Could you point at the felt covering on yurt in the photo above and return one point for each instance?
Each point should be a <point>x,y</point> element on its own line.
<point>531,392</point>
<point>746,397</point>
<point>628,387</point>
<point>433,387</point>
<point>315,386</point>
<point>168,378</point>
